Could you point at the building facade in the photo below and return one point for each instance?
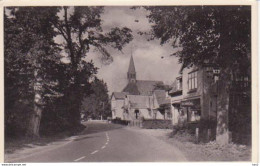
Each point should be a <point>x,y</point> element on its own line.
<point>219,105</point>
<point>117,104</point>
<point>193,102</point>
<point>140,99</point>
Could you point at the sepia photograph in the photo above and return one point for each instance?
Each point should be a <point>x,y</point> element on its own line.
<point>127,83</point>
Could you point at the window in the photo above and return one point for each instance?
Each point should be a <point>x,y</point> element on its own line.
<point>192,80</point>
<point>193,115</point>
<point>150,112</point>
<point>179,83</point>
<point>154,114</point>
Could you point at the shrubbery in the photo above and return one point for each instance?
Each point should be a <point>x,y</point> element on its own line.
<point>157,124</point>
<point>119,121</point>
<point>202,125</point>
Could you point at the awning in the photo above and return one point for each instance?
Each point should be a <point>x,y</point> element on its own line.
<point>195,103</point>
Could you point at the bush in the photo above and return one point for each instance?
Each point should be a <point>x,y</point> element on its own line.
<point>17,120</point>
<point>203,125</point>
<point>119,121</point>
<point>157,124</point>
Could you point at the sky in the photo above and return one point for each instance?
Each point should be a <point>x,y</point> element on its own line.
<point>147,55</point>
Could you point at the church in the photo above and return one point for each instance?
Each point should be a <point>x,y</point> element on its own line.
<point>140,99</point>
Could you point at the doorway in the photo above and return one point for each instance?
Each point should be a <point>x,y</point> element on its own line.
<point>136,114</point>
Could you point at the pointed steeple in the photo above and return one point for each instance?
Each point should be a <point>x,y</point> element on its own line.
<point>131,74</point>
<point>131,68</point>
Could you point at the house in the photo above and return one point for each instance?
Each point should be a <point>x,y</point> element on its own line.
<point>175,95</point>
<point>117,104</point>
<point>161,105</point>
<point>192,100</point>
<point>220,108</point>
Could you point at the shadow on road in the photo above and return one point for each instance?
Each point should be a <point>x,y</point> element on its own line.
<point>96,127</point>
<point>83,138</point>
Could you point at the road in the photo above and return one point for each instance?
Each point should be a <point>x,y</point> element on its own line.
<point>102,142</point>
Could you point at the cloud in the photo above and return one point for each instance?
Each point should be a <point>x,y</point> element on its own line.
<point>124,16</point>
<point>152,61</point>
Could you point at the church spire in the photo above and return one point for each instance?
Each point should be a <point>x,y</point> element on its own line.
<point>131,74</point>
<point>131,68</point>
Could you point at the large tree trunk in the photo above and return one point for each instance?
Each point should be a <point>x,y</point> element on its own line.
<point>34,125</point>
<point>75,96</point>
<point>223,106</point>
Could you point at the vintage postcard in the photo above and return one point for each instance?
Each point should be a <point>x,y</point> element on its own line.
<point>129,81</point>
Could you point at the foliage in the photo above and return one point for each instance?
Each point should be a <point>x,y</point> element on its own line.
<point>97,103</point>
<point>157,124</point>
<point>162,86</point>
<point>121,122</point>
<point>28,47</point>
<point>81,29</point>
<point>215,34</point>
<point>34,56</point>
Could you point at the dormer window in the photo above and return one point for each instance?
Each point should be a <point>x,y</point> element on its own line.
<point>179,83</point>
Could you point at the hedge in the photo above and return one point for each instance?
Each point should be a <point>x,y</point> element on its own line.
<point>157,124</point>
<point>119,121</point>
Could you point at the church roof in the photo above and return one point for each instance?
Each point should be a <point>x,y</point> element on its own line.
<point>146,87</point>
<point>141,87</point>
<point>131,88</point>
<point>119,95</point>
<point>131,68</point>
<point>138,101</point>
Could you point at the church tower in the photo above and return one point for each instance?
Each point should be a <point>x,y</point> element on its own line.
<point>131,74</point>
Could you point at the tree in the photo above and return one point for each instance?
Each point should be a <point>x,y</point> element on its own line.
<point>97,104</point>
<point>220,35</point>
<point>162,86</point>
<point>29,51</point>
<point>81,29</point>
<point>35,75</point>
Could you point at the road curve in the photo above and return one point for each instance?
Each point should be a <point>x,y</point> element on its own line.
<point>117,145</point>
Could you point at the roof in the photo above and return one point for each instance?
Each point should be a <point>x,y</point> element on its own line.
<point>137,101</point>
<point>131,68</point>
<point>131,88</point>
<point>141,87</point>
<point>160,96</point>
<point>146,87</point>
<point>174,87</point>
<point>174,90</point>
<point>119,95</point>
<point>166,101</point>
<point>138,105</point>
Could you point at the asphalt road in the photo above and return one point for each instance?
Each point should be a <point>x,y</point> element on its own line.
<point>102,142</point>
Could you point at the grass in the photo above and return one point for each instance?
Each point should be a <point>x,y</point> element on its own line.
<point>211,151</point>
<point>13,144</point>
